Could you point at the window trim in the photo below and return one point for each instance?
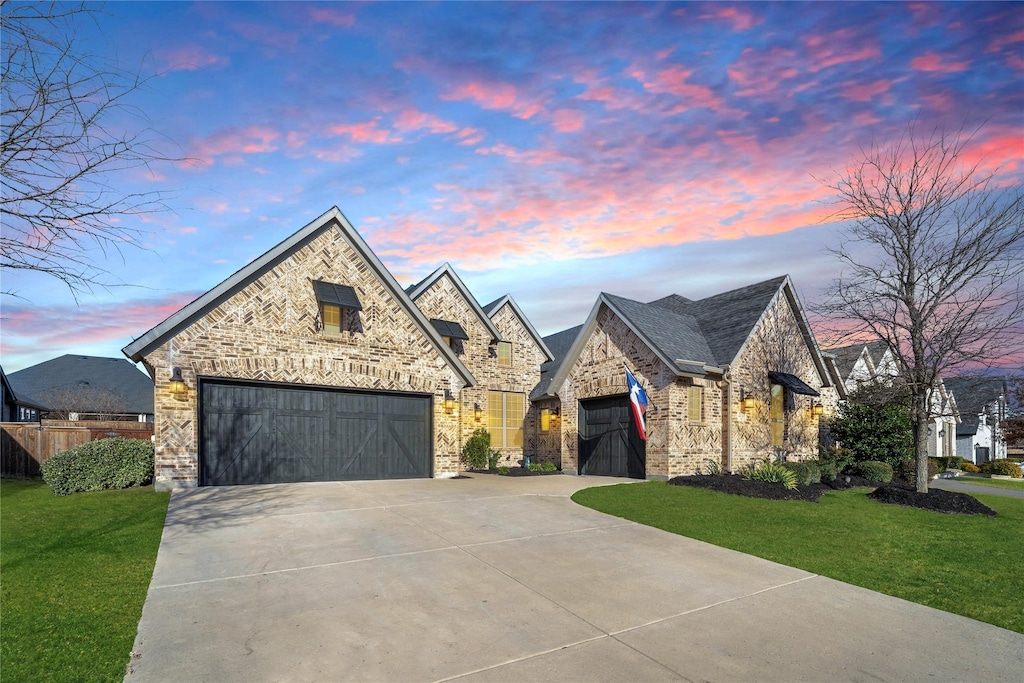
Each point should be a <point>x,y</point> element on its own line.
<point>505,429</point>
<point>697,390</point>
<point>505,345</point>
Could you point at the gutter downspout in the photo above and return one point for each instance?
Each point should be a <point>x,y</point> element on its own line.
<point>728,416</point>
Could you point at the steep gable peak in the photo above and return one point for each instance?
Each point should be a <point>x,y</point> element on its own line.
<point>446,270</point>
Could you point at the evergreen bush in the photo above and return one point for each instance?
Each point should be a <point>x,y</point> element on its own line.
<point>477,453</point>
<point>1006,468</point>
<point>873,470</point>
<point>117,463</point>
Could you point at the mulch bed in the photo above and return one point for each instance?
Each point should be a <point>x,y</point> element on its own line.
<point>936,500</point>
<point>895,493</point>
<point>516,472</point>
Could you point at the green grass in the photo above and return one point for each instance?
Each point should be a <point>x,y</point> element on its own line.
<point>964,564</point>
<point>75,571</point>
<point>1012,484</point>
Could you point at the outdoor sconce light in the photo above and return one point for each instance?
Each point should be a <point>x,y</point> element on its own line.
<point>817,410</point>
<point>177,385</point>
<point>746,402</point>
<point>555,416</point>
<point>477,412</point>
<point>449,402</point>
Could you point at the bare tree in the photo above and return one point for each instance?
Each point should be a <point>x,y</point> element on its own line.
<point>99,403</point>
<point>932,263</point>
<point>62,148</point>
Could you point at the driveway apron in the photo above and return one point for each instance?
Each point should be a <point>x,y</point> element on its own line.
<point>506,579</point>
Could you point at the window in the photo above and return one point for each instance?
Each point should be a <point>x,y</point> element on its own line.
<point>505,418</point>
<point>696,404</point>
<point>777,415</point>
<point>505,353</point>
<point>332,319</point>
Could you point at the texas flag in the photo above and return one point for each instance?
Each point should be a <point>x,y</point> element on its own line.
<point>638,397</point>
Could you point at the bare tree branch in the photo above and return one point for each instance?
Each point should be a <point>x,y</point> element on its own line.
<point>62,149</point>
<point>942,283</point>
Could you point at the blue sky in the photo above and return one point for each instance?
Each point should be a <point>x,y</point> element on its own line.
<point>552,150</point>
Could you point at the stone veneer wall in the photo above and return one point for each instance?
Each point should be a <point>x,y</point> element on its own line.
<point>775,345</point>
<point>442,300</point>
<point>674,445</point>
<point>269,331</point>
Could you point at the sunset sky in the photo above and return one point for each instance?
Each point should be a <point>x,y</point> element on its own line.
<point>551,150</point>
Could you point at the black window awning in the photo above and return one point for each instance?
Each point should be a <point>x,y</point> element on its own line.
<point>792,382</point>
<point>336,295</point>
<point>447,328</point>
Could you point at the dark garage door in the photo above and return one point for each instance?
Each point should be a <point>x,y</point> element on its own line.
<point>610,444</point>
<point>261,434</point>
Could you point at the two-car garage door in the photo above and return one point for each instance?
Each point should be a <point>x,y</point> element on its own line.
<point>255,433</point>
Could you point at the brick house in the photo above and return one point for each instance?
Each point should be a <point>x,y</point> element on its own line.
<point>732,378</point>
<point>310,363</point>
<point>500,347</point>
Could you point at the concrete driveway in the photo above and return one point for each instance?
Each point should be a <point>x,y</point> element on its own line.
<point>506,579</point>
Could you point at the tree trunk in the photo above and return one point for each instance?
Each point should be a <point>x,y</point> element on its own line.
<point>921,442</point>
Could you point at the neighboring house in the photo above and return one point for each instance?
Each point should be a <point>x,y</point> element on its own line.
<point>982,405</point>
<point>500,347</point>
<point>75,387</point>
<point>862,364</point>
<point>731,379</point>
<point>17,407</point>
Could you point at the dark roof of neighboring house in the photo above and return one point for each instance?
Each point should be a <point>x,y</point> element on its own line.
<point>493,307</point>
<point>695,337</point>
<point>972,395</point>
<point>70,372</point>
<point>331,219</point>
<point>18,398</point>
<point>876,349</point>
<point>846,358</point>
<point>559,344</point>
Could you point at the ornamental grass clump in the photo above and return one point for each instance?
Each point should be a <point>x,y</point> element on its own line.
<point>117,463</point>
<point>771,471</point>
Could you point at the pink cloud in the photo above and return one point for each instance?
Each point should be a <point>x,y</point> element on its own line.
<point>190,57</point>
<point>839,47</point>
<point>865,92</point>
<point>231,143</point>
<point>1000,42</point>
<point>497,96</point>
<point>333,17</point>
<point>759,72</point>
<point>741,19</point>
<point>567,120</point>
<point>673,80</point>
<point>933,62</point>
<point>366,131</point>
<point>413,119</point>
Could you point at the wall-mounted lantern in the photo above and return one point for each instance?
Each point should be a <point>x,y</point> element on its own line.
<point>449,402</point>
<point>817,410</point>
<point>177,385</point>
<point>478,413</point>
<point>746,400</point>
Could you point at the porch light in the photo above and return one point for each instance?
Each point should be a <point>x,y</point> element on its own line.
<point>177,386</point>
<point>449,402</point>
<point>477,412</point>
<point>817,410</point>
<point>746,401</point>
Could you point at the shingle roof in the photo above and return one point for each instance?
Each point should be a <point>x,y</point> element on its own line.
<point>493,307</point>
<point>847,357</point>
<point>972,395</point>
<point>69,372</point>
<point>559,344</point>
<point>726,319</point>
<point>18,398</point>
<point>677,335</point>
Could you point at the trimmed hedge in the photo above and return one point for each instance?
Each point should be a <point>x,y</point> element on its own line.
<point>873,470</point>
<point>970,467</point>
<point>1007,468</point>
<point>117,463</point>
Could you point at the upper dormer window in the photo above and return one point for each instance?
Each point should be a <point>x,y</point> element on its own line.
<point>336,303</point>
<point>505,353</point>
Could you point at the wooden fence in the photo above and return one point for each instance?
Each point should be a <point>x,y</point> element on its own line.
<point>24,446</point>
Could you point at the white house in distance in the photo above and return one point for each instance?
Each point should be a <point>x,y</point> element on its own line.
<point>982,402</point>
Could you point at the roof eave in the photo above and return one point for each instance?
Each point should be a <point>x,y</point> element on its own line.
<point>444,268</point>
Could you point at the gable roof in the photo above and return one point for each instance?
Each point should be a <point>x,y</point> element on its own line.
<point>559,344</point>
<point>973,396</point>
<point>846,359</point>
<point>495,306</point>
<point>694,338</point>
<point>834,372</point>
<point>69,372</point>
<point>332,219</point>
<point>416,291</point>
<point>13,397</point>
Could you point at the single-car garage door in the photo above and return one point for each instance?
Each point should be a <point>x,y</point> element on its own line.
<point>255,433</point>
<point>609,442</point>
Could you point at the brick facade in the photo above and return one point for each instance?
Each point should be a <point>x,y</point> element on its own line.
<point>270,331</point>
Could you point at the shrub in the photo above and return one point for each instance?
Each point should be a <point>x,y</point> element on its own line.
<point>104,464</point>
<point>806,472</point>
<point>1003,467</point>
<point>503,470</point>
<point>712,468</point>
<point>906,470</point>
<point>548,467</point>
<point>771,471</point>
<point>970,467</point>
<point>875,425</point>
<point>873,470</point>
<point>832,461</point>
<point>940,464</point>
<point>951,462</point>
<point>477,453</point>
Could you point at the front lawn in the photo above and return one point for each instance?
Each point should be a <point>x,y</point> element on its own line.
<point>959,563</point>
<point>75,574</point>
<point>1012,484</point>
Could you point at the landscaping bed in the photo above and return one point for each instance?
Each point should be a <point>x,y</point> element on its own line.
<point>936,500</point>
<point>516,472</point>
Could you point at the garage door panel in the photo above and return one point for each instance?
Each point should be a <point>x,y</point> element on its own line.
<point>254,433</point>
<point>609,443</point>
